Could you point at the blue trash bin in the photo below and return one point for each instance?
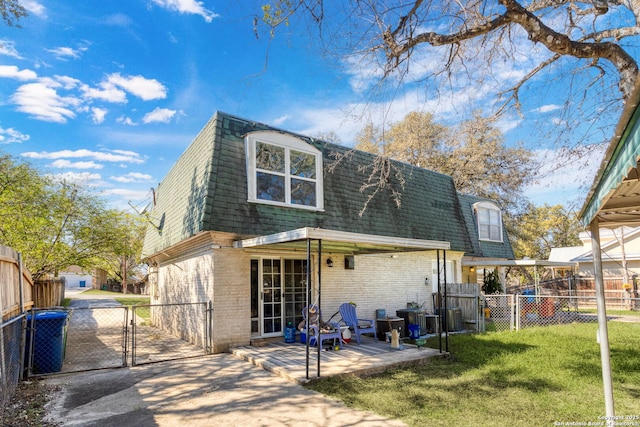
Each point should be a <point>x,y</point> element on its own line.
<point>529,292</point>
<point>414,331</point>
<point>48,336</point>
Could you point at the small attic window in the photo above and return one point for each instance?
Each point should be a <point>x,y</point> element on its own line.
<point>489,220</point>
<point>283,170</point>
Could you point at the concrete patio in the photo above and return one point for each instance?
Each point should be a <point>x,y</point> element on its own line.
<point>370,357</point>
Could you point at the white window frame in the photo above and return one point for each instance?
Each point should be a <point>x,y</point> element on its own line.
<point>288,142</point>
<point>495,214</point>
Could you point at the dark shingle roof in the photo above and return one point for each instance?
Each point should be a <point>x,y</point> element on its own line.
<point>206,190</point>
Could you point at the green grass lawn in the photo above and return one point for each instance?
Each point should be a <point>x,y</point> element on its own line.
<point>534,377</point>
<point>143,312</point>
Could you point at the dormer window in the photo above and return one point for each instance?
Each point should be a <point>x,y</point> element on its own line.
<point>283,170</point>
<point>489,220</point>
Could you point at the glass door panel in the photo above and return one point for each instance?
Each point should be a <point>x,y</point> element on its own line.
<point>271,297</point>
<point>295,289</point>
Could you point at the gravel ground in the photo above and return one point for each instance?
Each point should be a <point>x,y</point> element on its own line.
<point>26,408</point>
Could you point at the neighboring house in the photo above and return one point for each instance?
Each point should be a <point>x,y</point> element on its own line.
<point>244,207</point>
<point>77,277</point>
<point>612,254</point>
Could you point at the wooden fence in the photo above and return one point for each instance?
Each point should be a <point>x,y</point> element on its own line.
<point>48,293</point>
<point>16,284</point>
<point>466,297</point>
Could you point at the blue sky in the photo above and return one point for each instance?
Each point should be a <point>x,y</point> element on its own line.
<point>111,93</point>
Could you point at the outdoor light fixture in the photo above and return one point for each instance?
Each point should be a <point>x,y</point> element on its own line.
<point>329,262</point>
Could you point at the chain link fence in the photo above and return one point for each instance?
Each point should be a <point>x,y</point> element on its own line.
<point>96,338</point>
<point>514,312</point>
<point>87,338</point>
<point>11,352</point>
<point>498,313</point>
<point>169,331</point>
<point>544,310</point>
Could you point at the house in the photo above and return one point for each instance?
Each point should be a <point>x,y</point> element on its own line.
<point>248,212</point>
<point>76,277</point>
<point>617,245</point>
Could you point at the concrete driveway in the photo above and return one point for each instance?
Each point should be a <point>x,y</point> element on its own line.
<point>218,390</point>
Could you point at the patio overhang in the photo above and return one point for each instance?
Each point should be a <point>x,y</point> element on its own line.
<point>334,241</point>
<point>614,197</point>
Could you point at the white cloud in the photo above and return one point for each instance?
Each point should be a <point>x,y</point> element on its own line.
<point>106,92</point>
<point>12,72</point>
<point>10,135</point>
<point>547,108</point>
<point>118,20</point>
<point>63,53</point>
<point>126,121</point>
<point>66,81</point>
<point>8,48</point>
<point>146,89</point>
<point>187,6</point>
<point>93,179</point>
<point>98,114</point>
<point>133,177</point>
<point>561,181</point>
<point>44,103</point>
<point>103,156</point>
<point>63,163</point>
<point>280,120</point>
<point>506,124</point>
<point>34,7</point>
<point>161,115</point>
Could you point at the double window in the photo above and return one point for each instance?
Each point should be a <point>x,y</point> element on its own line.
<point>489,219</point>
<point>283,170</point>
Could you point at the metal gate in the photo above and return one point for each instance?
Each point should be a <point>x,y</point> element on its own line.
<point>89,338</point>
<point>162,332</point>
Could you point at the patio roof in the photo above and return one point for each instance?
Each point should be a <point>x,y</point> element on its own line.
<point>340,242</point>
<point>614,197</point>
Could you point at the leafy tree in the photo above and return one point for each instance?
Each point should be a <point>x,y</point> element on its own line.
<point>12,11</point>
<point>542,228</point>
<point>474,154</point>
<point>491,283</point>
<point>55,224</point>
<point>417,140</point>
<point>125,256</point>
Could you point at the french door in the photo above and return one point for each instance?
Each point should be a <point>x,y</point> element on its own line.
<point>278,294</point>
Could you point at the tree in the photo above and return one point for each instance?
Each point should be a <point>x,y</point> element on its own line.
<point>474,155</point>
<point>542,228</point>
<point>54,224</point>
<point>417,140</point>
<point>12,11</point>
<point>125,257</point>
<point>585,47</point>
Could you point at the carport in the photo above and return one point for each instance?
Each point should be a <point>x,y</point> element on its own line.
<point>316,240</point>
<point>614,201</point>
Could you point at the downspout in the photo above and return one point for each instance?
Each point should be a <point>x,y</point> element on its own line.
<point>308,283</point>
<point>446,310</point>
<point>603,333</point>
<point>439,301</point>
<point>318,340</point>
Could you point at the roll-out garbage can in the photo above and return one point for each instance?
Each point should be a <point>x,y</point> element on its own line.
<point>47,330</point>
